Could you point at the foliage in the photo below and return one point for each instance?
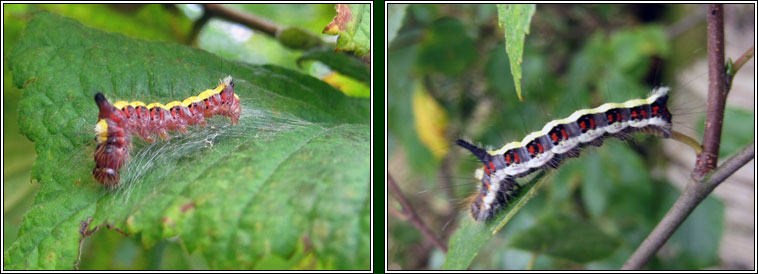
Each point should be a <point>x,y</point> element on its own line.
<point>515,19</point>
<point>469,239</point>
<point>457,53</point>
<point>292,124</point>
<point>353,25</point>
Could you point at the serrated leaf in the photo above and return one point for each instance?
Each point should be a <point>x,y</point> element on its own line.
<point>566,237</point>
<point>515,19</point>
<point>339,62</point>
<point>295,168</point>
<point>472,235</point>
<point>353,25</point>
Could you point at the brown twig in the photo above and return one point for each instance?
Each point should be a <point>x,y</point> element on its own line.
<point>694,193</point>
<point>248,20</point>
<point>743,59</point>
<point>737,65</point>
<point>411,216</point>
<point>717,92</point>
<point>700,186</point>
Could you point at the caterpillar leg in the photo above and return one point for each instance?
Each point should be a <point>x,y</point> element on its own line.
<point>164,135</point>
<point>106,176</point>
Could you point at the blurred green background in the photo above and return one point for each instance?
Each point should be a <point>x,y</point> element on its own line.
<point>449,78</point>
<point>108,249</point>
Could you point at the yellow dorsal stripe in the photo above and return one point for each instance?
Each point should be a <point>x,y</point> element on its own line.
<point>152,105</point>
<point>186,102</point>
<point>173,104</point>
<point>190,100</point>
<point>120,104</point>
<point>137,104</point>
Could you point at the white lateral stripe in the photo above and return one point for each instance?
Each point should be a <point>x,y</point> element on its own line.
<point>655,94</point>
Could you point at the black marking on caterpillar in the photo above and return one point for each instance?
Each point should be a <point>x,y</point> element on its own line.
<point>558,140</point>
<point>118,121</point>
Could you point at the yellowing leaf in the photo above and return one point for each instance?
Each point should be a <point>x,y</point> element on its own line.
<point>353,24</point>
<point>347,85</point>
<point>431,122</point>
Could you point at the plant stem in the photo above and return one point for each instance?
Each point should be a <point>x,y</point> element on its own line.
<point>687,140</point>
<point>738,64</point>
<point>411,216</point>
<point>717,92</point>
<point>694,193</point>
<point>699,185</point>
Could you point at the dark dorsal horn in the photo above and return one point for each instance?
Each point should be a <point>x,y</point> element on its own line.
<point>477,151</point>
<point>105,107</point>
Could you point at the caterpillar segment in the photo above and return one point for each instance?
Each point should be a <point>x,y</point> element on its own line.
<point>118,121</point>
<point>559,140</point>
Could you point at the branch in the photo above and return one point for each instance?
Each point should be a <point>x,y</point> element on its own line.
<point>717,91</point>
<point>289,36</point>
<point>248,20</point>
<point>699,185</point>
<point>737,65</point>
<point>696,191</point>
<point>411,215</point>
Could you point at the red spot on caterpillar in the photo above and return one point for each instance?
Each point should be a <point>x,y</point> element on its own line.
<point>486,169</point>
<point>492,166</point>
<point>483,210</point>
<point>115,117</point>
<point>115,126</point>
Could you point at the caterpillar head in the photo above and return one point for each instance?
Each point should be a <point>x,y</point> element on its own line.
<point>107,110</point>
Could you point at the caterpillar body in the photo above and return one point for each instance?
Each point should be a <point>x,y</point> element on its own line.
<point>559,140</point>
<point>118,121</point>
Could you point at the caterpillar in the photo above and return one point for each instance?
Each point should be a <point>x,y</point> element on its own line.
<point>118,121</point>
<point>558,140</point>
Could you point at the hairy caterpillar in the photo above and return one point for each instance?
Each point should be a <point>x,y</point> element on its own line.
<point>118,121</point>
<point>561,139</point>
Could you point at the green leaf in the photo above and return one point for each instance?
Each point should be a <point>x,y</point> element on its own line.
<point>472,235</point>
<point>515,19</point>
<point>447,48</point>
<point>395,16</point>
<point>295,168</point>
<point>298,38</point>
<point>353,25</point>
<point>566,237</point>
<point>738,130</point>
<point>339,62</point>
